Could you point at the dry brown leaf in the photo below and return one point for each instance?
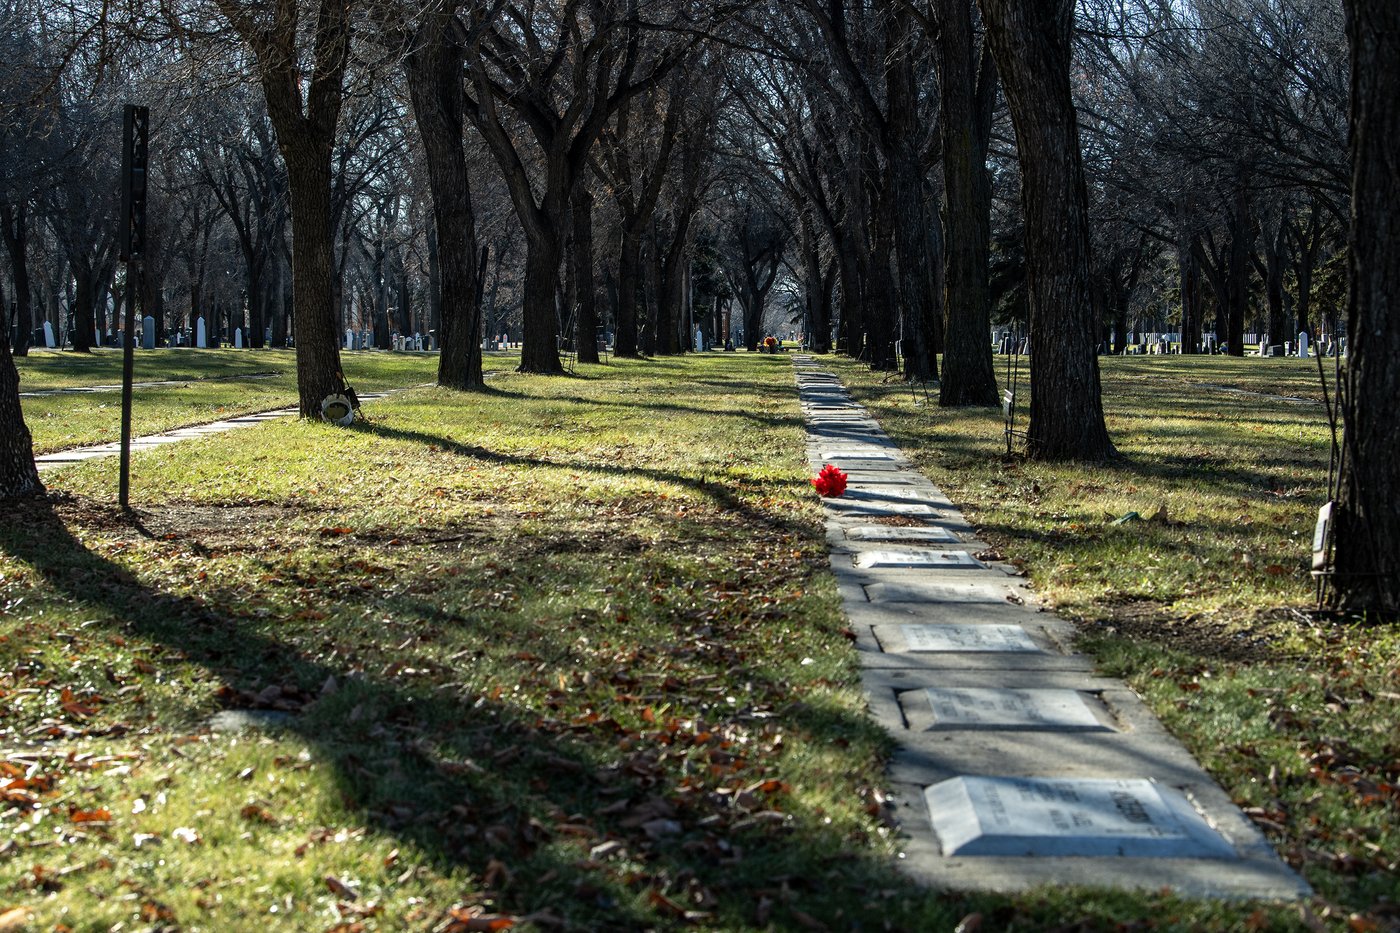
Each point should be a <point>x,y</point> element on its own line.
<point>340,888</point>
<point>14,920</point>
<point>100,815</point>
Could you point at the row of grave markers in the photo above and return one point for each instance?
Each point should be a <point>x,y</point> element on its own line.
<point>997,735</point>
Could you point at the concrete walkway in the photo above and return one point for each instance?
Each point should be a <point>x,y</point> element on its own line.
<point>1017,765</point>
<point>79,454</point>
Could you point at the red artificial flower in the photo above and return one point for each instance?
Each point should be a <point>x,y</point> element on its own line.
<point>830,482</point>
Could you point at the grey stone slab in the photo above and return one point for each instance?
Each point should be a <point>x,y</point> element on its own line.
<point>1086,817</point>
<point>949,638</point>
<point>855,507</point>
<point>1256,874</point>
<point>914,493</point>
<point>899,534</point>
<point>1003,708</point>
<point>913,591</point>
<point>916,557</point>
<point>238,720</point>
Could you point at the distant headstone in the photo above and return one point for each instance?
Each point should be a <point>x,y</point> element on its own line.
<point>148,333</point>
<point>238,338</point>
<point>48,335</point>
<point>350,339</point>
<point>1093,817</point>
<point>417,342</point>
<point>955,707</point>
<point>980,638</point>
<point>201,336</point>
<point>1303,345</point>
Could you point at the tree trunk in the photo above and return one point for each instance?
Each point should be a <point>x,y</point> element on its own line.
<point>539,343</point>
<point>1237,285</point>
<point>1367,567</point>
<point>434,68</point>
<point>313,308</point>
<point>1189,273</point>
<point>629,275</point>
<point>881,322</point>
<point>1032,42</point>
<point>969,377</point>
<point>586,318</point>
<point>18,475</point>
<point>15,230</point>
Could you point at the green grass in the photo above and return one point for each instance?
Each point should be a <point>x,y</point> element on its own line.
<point>212,384</point>
<point>1205,613</point>
<point>567,649</point>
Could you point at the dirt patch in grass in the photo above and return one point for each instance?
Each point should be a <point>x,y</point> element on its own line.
<point>1237,640</point>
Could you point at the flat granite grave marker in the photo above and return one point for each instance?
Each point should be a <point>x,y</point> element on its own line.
<point>997,638</point>
<point>917,557</point>
<point>984,707</point>
<point>1091,817</point>
<point>896,533</point>
<point>882,508</point>
<point>920,592</point>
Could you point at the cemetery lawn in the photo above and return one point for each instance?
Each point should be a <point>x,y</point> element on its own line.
<point>1202,603</point>
<point>210,385</point>
<point>566,650</point>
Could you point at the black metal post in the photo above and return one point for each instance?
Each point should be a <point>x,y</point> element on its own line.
<point>132,239</point>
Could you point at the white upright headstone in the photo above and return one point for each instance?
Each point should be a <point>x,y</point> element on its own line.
<point>349,339</point>
<point>238,338</point>
<point>1303,345</point>
<point>148,333</point>
<point>48,336</point>
<point>417,342</point>
<point>201,336</point>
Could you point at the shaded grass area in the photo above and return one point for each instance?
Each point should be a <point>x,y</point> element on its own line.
<point>1202,602</point>
<point>566,651</point>
<point>213,384</point>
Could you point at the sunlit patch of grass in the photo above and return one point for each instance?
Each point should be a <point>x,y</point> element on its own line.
<point>210,385</point>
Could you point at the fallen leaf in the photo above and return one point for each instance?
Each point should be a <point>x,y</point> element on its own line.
<point>100,815</point>
<point>14,920</point>
<point>186,835</point>
<point>341,889</point>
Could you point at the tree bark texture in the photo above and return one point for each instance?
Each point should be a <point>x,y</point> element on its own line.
<point>434,67</point>
<point>1031,40</point>
<point>18,475</point>
<point>539,343</point>
<point>586,318</point>
<point>14,224</point>
<point>969,377</point>
<point>1367,561</point>
<point>629,274</point>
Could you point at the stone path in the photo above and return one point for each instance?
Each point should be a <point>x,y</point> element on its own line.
<point>88,390</point>
<point>1017,765</point>
<point>79,454</point>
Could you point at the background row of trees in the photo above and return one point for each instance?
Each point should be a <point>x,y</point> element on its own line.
<point>844,169</point>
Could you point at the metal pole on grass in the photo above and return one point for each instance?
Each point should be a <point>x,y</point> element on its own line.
<point>136,123</point>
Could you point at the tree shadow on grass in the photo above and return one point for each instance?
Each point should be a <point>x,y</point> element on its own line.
<point>467,778</point>
<point>717,492</point>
